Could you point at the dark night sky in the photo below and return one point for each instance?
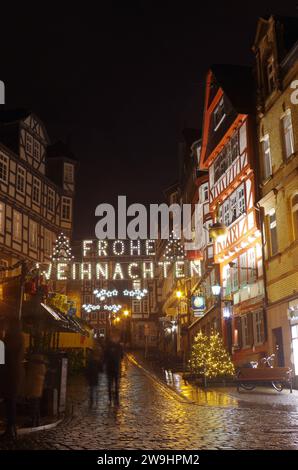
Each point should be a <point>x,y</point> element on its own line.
<point>121,83</point>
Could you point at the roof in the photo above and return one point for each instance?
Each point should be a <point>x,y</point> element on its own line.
<point>237,83</point>
<point>13,115</point>
<point>60,150</point>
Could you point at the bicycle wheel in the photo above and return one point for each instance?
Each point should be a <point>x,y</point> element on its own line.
<point>278,386</point>
<point>247,385</point>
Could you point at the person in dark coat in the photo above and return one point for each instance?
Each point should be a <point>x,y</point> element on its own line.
<point>94,366</point>
<point>11,374</point>
<point>113,358</point>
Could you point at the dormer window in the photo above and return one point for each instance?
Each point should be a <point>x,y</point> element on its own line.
<point>29,144</point>
<point>68,173</point>
<point>219,114</point>
<point>36,150</point>
<point>271,78</point>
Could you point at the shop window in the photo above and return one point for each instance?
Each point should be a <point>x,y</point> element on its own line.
<point>259,330</point>
<point>295,215</point>
<point>245,331</point>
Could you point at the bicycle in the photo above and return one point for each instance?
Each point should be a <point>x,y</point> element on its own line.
<point>266,362</point>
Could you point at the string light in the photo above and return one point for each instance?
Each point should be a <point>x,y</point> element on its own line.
<point>102,247</point>
<point>130,268</point>
<point>150,250</point>
<point>85,270</point>
<point>61,275</point>
<point>174,249</point>
<point>62,250</point>
<point>148,270</point>
<point>86,246</point>
<point>138,293</point>
<point>135,245</point>
<point>118,271</point>
<point>102,270</point>
<point>165,265</point>
<point>179,269</point>
<point>115,244</point>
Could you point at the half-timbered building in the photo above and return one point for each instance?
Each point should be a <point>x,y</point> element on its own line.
<point>37,183</point>
<point>228,152</point>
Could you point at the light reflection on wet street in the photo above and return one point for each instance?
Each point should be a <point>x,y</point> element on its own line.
<point>152,416</point>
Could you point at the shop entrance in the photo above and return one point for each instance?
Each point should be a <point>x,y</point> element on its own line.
<point>278,347</point>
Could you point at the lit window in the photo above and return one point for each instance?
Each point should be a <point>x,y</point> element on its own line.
<point>288,134</point>
<point>36,150</point>
<point>21,174</point>
<point>273,232</point>
<point>17,225</point>
<point>3,168</point>
<point>68,173</point>
<point>258,319</point>
<point>295,215</point>
<point>66,208</point>
<point>145,306</point>
<point>267,163</point>
<point>219,114</point>
<point>271,80</point>
<point>2,217</point>
<point>136,306</point>
<point>245,331</point>
<point>36,190</point>
<point>3,274</point>
<point>33,234</point>
<point>47,242</point>
<point>51,200</point>
<point>29,144</point>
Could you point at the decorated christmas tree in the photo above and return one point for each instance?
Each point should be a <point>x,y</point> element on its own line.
<point>62,250</point>
<point>174,249</point>
<point>209,357</point>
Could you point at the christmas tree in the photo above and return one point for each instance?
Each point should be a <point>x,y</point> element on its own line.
<point>62,250</point>
<point>174,249</point>
<point>209,357</point>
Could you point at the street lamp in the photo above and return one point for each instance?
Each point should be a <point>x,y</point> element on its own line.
<point>178,294</point>
<point>126,313</point>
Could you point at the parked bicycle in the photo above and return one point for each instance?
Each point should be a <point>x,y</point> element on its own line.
<point>263,363</point>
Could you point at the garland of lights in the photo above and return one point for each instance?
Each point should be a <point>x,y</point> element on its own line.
<point>135,293</point>
<point>112,308</point>
<point>174,249</point>
<point>103,293</point>
<point>62,250</point>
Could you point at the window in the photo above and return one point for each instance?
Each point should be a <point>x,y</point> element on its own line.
<point>33,234</point>
<point>288,135</point>
<point>66,208</point>
<point>267,164</point>
<point>21,175</point>
<point>243,269</point>
<point>17,225</point>
<point>233,207</point>
<point>68,173</point>
<point>245,331</point>
<point>258,324</point>
<point>47,242</point>
<point>51,200</point>
<point>235,275</point>
<point>270,75</point>
<point>36,190</point>
<point>219,114</point>
<point>3,168</point>
<point>227,156</point>
<point>29,144</point>
<point>36,150</point>
<point>295,215</point>
<point>2,217</point>
<point>273,232</point>
<point>136,306</point>
<point>145,306</point>
<point>251,265</point>
<point>3,264</point>
<point>204,193</point>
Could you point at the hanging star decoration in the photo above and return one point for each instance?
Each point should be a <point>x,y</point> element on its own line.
<point>174,249</point>
<point>62,250</point>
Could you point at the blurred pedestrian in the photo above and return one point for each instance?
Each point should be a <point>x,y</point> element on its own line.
<point>34,386</point>
<point>94,367</point>
<point>113,358</point>
<point>11,374</point>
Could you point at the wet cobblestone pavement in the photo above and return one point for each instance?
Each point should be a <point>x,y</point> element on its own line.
<point>150,416</point>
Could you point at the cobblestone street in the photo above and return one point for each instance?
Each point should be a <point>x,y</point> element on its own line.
<point>151,416</point>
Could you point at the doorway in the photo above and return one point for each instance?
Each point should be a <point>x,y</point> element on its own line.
<point>278,348</point>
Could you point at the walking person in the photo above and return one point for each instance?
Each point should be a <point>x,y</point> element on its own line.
<point>11,374</point>
<point>113,358</point>
<point>94,367</point>
<point>34,386</point>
